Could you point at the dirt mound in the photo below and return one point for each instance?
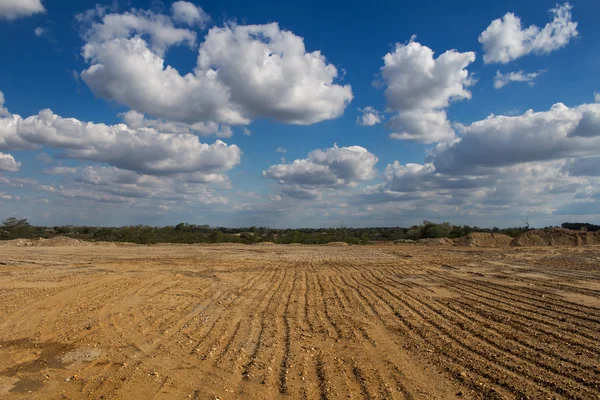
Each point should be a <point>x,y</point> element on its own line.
<point>16,242</point>
<point>483,239</point>
<point>556,237</point>
<point>58,241</point>
<point>62,241</point>
<point>436,242</point>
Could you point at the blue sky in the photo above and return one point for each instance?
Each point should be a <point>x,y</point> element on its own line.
<point>434,152</point>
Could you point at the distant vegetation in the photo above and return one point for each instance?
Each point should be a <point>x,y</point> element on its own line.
<point>581,226</point>
<point>14,228</point>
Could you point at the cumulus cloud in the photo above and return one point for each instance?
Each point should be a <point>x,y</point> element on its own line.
<point>504,39</point>
<point>530,188</point>
<point>369,117</point>
<point>405,178</point>
<point>336,166</point>
<point>143,150</point>
<point>534,136</point>
<point>160,29</point>
<point>281,149</point>
<point>419,87</point>
<point>136,120</point>
<point>189,14</point>
<point>426,126</point>
<point>597,97</point>
<point>13,9</point>
<point>501,80</point>
<point>8,163</point>
<point>417,80</point>
<point>537,163</point>
<point>243,72</point>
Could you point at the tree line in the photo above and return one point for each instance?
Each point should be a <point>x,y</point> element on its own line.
<point>14,228</point>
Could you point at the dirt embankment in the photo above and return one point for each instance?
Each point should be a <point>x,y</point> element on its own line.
<point>482,239</point>
<point>41,242</point>
<point>436,242</point>
<point>556,237</point>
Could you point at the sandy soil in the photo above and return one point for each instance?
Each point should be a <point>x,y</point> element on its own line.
<point>299,322</point>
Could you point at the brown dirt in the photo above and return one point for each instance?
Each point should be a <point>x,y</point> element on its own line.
<point>41,242</point>
<point>556,237</point>
<point>483,239</point>
<point>309,322</point>
<point>339,244</point>
<point>436,242</point>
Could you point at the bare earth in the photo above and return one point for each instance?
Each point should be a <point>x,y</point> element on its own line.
<point>299,322</point>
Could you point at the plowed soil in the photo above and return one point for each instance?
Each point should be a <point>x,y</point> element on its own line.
<point>299,322</point>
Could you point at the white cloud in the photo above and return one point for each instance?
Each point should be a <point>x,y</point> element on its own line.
<point>534,136</point>
<point>189,14</point>
<point>160,28</point>
<point>243,72</point>
<point>336,166</point>
<point>8,163</point>
<point>426,126</point>
<point>596,97</point>
<point>136,120</point>
<point>405,178</point>
<point>246,131</point>
<point>419,87</point>
<point>143,150</point>
<point>504,40</point>
<point>13,9</point>
<point>538,163</point>
<point>369,117</point>
<point>417,80</point>
<point>270,74</point>
<point>281,149</point>
<point>39,31</point>
<point>529,188</point>
<point>501,80</point>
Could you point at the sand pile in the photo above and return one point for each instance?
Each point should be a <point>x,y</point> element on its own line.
<point>16,242</point>
<point>484,239</point>
<point>62,241</point>
<point>58,241</point>
<point>436,242</point>
<point>337,244</point>
<point>556,237</point>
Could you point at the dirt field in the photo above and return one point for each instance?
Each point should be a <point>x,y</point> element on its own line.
<point>299,322</point>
